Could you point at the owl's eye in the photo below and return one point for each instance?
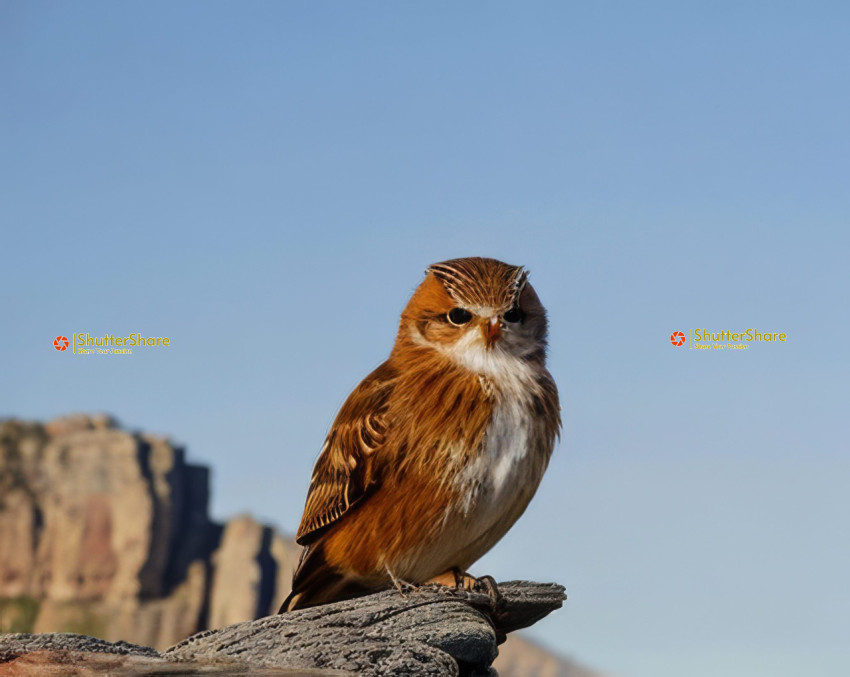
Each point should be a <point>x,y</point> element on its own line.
<point>514,315</point>
<point>459,316</point>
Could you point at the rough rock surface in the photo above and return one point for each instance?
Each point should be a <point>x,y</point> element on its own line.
<point>428,631</point>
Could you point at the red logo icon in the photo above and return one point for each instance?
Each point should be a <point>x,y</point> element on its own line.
<point>60,343</point>
<point>677,338</point>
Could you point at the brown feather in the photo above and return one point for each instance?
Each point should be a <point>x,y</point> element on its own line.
<point>344,471</point>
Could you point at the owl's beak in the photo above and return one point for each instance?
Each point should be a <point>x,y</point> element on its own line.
<point>492,331</point>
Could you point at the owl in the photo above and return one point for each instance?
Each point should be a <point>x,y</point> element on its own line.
<point>436,454</point>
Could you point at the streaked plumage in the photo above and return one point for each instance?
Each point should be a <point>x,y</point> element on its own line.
<point>437,452</point>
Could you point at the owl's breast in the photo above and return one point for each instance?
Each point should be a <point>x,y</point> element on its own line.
<point>499,480</point>
<point>510,462</point>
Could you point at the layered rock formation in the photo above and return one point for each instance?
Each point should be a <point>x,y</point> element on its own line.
<point>106,533</point>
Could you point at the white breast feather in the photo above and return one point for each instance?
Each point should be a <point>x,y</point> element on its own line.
<point>502,473</point>
<point>505,444</point>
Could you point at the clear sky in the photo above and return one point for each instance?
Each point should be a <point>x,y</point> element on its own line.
<point>264,183</point>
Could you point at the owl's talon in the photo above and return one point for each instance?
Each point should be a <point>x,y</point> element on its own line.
<point>463,581</point>
<point>458,578</point>
<point>488,585</point>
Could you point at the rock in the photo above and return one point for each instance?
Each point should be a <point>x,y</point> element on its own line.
<point>236,582</point>
<point>106,532</point>
<point>431,631</point>
<point>73,423</point>
<point>60,655</point>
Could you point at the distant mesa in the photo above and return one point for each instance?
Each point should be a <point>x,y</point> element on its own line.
<point>106,532</point>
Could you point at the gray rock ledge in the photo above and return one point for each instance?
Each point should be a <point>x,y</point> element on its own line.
<point>428,631</point>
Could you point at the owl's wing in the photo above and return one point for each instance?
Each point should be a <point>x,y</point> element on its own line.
<point>344,472</point>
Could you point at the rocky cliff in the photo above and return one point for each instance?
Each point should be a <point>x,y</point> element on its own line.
<point>106,532</point>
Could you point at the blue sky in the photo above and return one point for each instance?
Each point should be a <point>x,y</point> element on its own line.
<point>264,183</point>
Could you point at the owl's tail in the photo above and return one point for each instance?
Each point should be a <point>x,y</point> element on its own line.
<point>316,582</point>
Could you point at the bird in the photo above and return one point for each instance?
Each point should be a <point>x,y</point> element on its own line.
<point>437,452</point>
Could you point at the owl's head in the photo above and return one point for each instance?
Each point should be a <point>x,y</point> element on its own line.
<point>476,311</point>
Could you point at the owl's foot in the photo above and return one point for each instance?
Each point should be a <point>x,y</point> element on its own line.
<point>454,578</point>
<point>487,585</point>
<point>403,587</point>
